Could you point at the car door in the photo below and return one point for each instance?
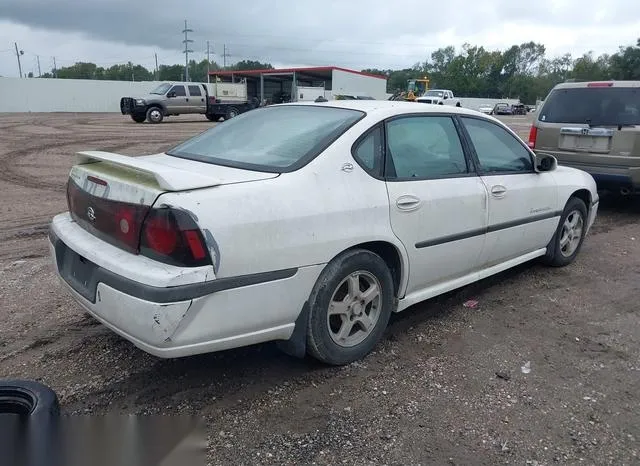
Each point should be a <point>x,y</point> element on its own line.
<point>523,204</point>
<point>437,202</point>
<point>197,99</point>
<point>177,100</point>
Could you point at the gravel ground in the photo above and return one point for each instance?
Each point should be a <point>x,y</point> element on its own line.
<point>446,386</point>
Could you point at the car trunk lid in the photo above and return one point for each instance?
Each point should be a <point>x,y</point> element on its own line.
<point>110,194</point>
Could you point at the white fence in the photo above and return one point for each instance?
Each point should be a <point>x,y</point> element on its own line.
<point>67,95</point>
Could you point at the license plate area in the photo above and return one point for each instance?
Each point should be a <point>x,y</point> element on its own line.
<point>77,271</point>
<point>586,139</point>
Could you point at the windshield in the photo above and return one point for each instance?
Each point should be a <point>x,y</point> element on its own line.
<point>161,89</point>
<point>272,139</point>
<point>435,93</point>
<point>610,106</point>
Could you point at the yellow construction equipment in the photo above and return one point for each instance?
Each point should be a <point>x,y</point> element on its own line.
<point>417,87</point>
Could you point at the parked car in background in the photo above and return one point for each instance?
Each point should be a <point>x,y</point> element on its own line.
<point>502,109</point>
<point>518,109</point>
<point>211,245</point>
<point>486,109</point>
<point>593,126</point>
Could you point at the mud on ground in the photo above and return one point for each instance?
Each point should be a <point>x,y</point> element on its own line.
<point>429,394</point>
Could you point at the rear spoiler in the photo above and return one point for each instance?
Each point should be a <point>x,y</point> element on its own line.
<point>168,178</point>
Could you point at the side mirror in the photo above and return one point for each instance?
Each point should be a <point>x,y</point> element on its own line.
<point>171,94</point>
<point>545,162</point>
<point>446,97</point>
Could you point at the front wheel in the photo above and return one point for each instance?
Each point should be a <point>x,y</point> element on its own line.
<point>155,115</point>
<point>350,306</point>
<point>569,236</point>
<point>138,118</point>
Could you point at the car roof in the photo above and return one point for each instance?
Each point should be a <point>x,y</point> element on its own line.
<point>575,85</point>
<point>387,108</point>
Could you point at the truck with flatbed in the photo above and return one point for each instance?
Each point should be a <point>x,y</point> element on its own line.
<point>214,100</point>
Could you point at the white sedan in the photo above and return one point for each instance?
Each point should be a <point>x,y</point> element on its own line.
<point>309,224</point>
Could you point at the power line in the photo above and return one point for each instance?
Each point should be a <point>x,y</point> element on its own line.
<point>224,55</point>
<point>186,42</point>
<point>18,53</point>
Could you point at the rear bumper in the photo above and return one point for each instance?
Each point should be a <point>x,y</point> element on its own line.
<point>605,175</point>
<point>186,319</point>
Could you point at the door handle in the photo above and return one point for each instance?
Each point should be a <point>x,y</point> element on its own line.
<point>498,190</point>
<point>187,99</point>
<point>408,203</point>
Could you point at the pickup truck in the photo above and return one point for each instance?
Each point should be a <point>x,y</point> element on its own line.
<point>439,97</point>
<point>178,98</point>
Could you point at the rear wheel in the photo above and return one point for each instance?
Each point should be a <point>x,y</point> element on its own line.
<point>155,115</point>
<point>350,306</point>
<point>138,118</point>
<point>567,241</point>
<point>231,113</point>
<point>212,117</point>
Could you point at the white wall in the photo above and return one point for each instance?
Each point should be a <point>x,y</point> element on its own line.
<point>343,82</point>
<point>67,95</point>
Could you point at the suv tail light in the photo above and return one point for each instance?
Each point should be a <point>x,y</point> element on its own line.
<point>172,236</point>
<point>600,84</point>
<point>533,135</point>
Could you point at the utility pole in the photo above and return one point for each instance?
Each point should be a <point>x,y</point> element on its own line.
<point>224,56</point>
<point>157,70</point>
<point>186,42</point>
<point>18,53</point>
<point>55,68</point>
<point>39,72</point>
<point>208,63</point>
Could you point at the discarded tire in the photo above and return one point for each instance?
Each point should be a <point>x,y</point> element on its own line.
<point>27,398</point>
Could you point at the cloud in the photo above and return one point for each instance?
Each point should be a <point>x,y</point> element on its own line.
<point>353,33</point>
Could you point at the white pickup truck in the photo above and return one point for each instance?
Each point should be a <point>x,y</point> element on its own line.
<point>439,97</point>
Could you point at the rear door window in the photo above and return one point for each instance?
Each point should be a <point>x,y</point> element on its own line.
<point>194,91</point>
<point>596,106</point>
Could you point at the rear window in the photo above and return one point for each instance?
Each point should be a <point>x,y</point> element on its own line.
<point>273,139</point>
<point>610,106</point>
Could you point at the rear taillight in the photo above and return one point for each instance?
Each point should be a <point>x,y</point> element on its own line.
<point>116,222</point>
<point>173,237</point>
<point>533,135</point>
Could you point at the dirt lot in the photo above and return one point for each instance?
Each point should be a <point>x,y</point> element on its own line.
<point>428,395</point>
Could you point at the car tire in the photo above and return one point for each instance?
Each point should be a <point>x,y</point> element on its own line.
<point>212,117</point>
<point>155,115</point>
<point>138,118</point>
<point>27,398</point>
<point>349,307</point>
<point>569,236</point>
<point>231,113</point>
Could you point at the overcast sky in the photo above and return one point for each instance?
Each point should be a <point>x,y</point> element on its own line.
<point>350,33</point>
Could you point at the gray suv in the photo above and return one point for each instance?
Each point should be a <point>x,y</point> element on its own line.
<point>593,126</point>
